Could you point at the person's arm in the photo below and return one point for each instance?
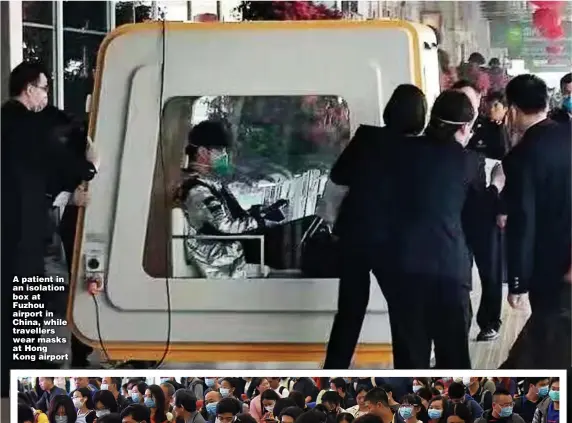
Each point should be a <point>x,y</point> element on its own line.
<point>477,410</point>
<point>519,201</point>
<point>254,411</point>
<point>488,401</point>
<point>204,206</point>
<point>476,200</point>
<point>346,165</point>
<point>42,403</point>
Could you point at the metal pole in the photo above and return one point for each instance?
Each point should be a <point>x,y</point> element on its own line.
<point>189,10</point>
<point>110,15</point>
<point>59,48</point>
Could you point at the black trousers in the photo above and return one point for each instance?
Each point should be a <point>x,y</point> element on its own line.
<point>413,301</point>
<point>545,341</point>
<point>489,260</point>
<point>353,298</point>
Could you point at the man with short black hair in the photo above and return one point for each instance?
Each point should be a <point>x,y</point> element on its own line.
<point>537,389</point>
<point>502,411</point>
<point>537,196</point>
<point>458,394</point>
<point>227,410</point>
<point>113,385</point>
<point>339,385</point>
<point>136,413</point>
<point>378,404</point>
<point>185,407</point>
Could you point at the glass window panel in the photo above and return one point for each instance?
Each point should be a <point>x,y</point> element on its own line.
<point>90,15</point>
<point>38,12</point>
<point>38,46</point>
<point>80,55</point>
<point>127,12</point>
<point>281,151</point>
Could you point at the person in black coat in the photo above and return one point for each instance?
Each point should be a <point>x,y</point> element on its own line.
<point>416,197</point>
<point>404,117</point>
<point>490,141</point>
<point>563,114</point>
<point>538,228</point>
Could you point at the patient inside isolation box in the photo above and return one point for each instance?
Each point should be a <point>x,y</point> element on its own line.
<point>246,175</point>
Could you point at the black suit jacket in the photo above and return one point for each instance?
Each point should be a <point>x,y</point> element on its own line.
<point>537,200</point>
<point>414,198</point>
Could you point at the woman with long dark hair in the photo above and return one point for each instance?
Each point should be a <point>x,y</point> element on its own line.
<point>62,410</point>
<point>155,401</point>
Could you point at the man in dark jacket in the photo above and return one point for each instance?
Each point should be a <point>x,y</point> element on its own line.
<point>31,161</point>
<point>537,197</point>
<point>538,232</point>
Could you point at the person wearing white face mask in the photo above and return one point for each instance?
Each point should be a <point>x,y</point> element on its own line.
<point>105,403</point>
<point>83,403</point>
<point>426,197</point>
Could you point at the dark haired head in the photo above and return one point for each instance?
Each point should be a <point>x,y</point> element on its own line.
<point>269,394</point>
<point>298,398</point>
<point>186,400</point>
<point>406,110</point>
<point>158,396</point>
<point>137,412</point>
<point>496,96</point>
<point>110,418</point>
<point>368,418</point>
<point>462,411</point>
<point>282,404</point>
<point>452,117</point>
<point>494,62</point>
<point>339,383</point>
<point>566,79</point>
<point>245,418</point>
<point>62,402</point>
<point>345,417</point>
<point>456,391</point>
<point>229,406</point>
<point>528,93</point>
<point>332,398</point>
<point>293,412</point>
<point>477,59</point>
<point>209,134</point>
<point>141,387</point>
<point>312,416</point>
<point>24,75</point>
<point>86,397</point>
<point>25,414</point>
<point>104,400</point>
<point>426,393</point>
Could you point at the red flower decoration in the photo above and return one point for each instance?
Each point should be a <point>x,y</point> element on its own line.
<point>547,4</point>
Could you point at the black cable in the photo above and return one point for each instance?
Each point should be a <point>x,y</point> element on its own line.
<point>167,205</point>
<point>166,190</point>
<point>98,327</point>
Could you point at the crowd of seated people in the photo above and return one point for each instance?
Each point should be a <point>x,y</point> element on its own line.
<point>292,400</point>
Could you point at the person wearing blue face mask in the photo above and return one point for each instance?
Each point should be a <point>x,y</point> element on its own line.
<point>563,113</point>
<point>138,392</point>
<point>526,405</point>
<point>208,411</point>
<point>548,411</point>
<point>155,402</point>
<point>411,409</point>
<point>436,409</point>
<point>502,411</point>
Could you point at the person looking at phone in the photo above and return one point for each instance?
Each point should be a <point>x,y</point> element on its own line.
<point>269,399</point>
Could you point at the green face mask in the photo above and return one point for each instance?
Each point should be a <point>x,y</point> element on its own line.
<point>221,165</point>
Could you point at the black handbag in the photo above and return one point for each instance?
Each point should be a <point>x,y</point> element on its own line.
<point>319,255</point>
